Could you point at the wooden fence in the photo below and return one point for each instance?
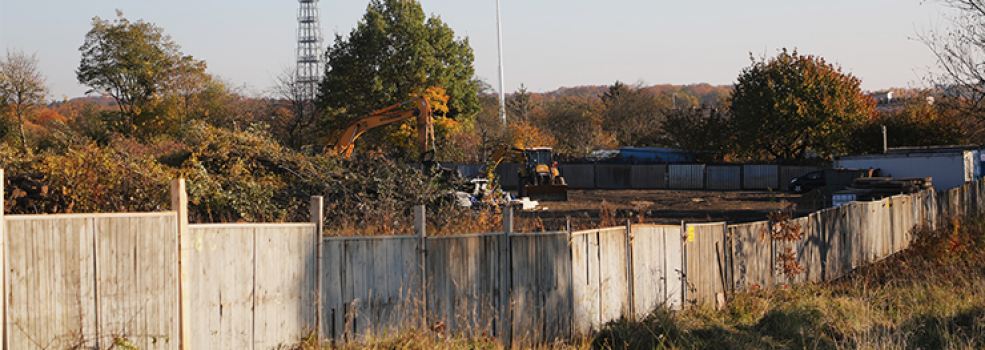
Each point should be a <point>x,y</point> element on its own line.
<point>160,283</point>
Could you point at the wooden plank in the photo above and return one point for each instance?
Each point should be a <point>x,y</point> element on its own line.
<point>614,284</point>
<point>753,264</point>
<point>115,279</point>
<point>585,273</point>
<point>43,274</point>
<point>156,250</point>
<point>703,275</point>
<point>179,204</point>
<point>674,263</point>
<point>332,282</point>
<point>541,287</point>
<point>652,274</point>
<point>221,276</point>
<point>284,284</point>
<point>464,275</point>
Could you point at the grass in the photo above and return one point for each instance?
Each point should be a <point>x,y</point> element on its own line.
<point>931,296</point>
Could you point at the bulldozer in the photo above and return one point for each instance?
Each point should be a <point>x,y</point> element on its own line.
<point>539,178</point>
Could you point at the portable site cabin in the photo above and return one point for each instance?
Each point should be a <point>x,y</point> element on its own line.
<point>949,166</point>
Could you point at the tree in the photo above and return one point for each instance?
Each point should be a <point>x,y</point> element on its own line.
<point>576,124</point>
<point>393,53</point>
<point>792,105</point>
<point>22,87</point>
<point>919,122</point>
<point>136,64</point>
<point>520,105</point>
<point>296,124</point>
<point>700,129</point>
<point>960,52</point>
<point>489,126</point>
<point>634,115</point>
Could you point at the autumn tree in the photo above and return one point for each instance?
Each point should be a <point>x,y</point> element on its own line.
<point>918,122</point>
<point>395,51</point>
<point>575,124</point>
<point>22,88</point>
<point>792,105</point>
<point>136,64</point>
<point>633,114</point>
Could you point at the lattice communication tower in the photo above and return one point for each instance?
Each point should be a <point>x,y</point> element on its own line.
<point>309,68</point>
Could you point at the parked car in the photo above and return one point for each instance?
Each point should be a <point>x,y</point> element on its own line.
<point>807,182</point>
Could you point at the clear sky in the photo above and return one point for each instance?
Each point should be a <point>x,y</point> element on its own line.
<point>547,43</point>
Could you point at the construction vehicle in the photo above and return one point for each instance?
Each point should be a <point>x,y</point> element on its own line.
<point>425,126</point>
<point>538,176</point>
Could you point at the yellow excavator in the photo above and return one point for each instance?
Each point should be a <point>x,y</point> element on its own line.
<point>391,114</point>
<point>539,178</point>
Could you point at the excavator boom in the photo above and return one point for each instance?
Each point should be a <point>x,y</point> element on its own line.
<point>425,126</point>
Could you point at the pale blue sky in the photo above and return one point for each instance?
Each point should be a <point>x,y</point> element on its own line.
<point>547,43</point>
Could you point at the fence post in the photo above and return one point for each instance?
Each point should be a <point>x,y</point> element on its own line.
<point>3,267</point>
<point>629,270</point>
<point>179,203</point>
<point>420,228</point>
<point>317,210</point>
<point>505,279</point>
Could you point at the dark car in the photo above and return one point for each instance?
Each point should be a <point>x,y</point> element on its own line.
<point>807,182</point>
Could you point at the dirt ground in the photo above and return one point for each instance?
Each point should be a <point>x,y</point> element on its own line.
<point>602,208</point>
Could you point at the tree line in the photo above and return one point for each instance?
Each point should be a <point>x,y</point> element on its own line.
<point>170,117</point>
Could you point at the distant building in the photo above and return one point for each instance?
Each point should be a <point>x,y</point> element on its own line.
<point>949,166</point>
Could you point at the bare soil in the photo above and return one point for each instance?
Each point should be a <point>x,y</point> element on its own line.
<point>602,208</point>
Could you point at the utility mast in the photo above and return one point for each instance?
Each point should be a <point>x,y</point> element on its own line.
<point>309,68</point>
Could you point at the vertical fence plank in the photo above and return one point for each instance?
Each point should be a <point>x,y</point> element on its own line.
<point>585,271</point>
<point>179,204</point>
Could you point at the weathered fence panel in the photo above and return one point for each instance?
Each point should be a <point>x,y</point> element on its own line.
<point>600,276</point>
<point>760,177</point>
<point>252,285</point>
<point>648,176</point>
<point>686,176</point>
<point>704,272</point>
<point>286,289</point>
<point>705,260</point>
<point>463,282</point>
<point>586,281</point>
<point>222,286</point>
<point>578,176</point>
<point>83,280</point>
<point>657,271</point>
<point>370,285</point>
<point>752,250</point>
<point>541,286</point>
<point>723,177</point>
<point>613,176</point>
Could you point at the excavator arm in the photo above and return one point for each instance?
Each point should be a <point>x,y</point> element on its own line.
<point>425,126</point>
<point>502,154</point>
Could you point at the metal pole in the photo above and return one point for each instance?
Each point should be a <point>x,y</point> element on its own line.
<point>502,89</point>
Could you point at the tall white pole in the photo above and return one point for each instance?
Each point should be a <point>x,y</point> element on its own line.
<point>502,89</point>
